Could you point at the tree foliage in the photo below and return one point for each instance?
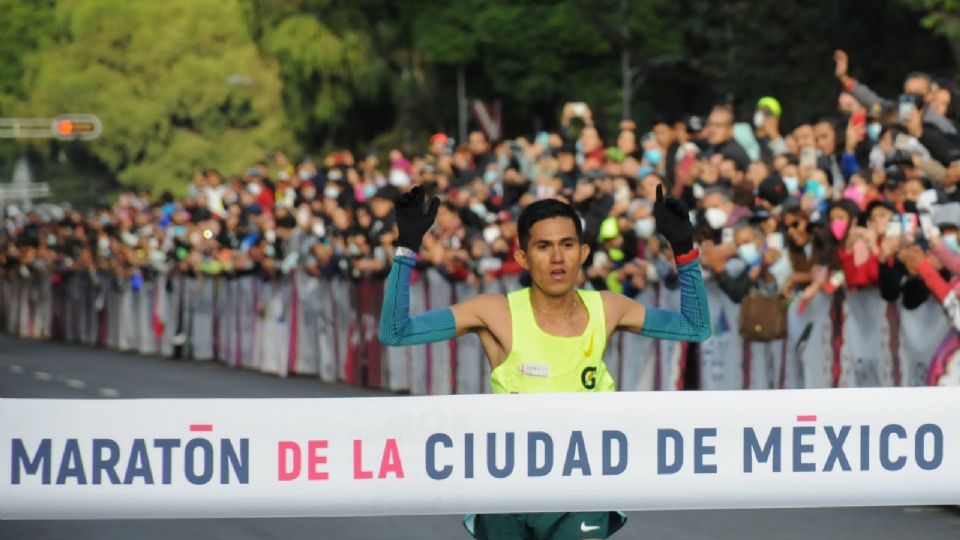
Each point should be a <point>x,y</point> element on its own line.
<point>189,84</point>
<point>178,85</point>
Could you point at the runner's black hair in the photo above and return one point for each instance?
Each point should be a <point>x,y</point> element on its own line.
<point>545,209</point>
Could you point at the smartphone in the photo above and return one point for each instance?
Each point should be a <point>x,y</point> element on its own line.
<point>893,228</point>
<point>775,241</point>
<point>902,142</point>
<point>808,157</point>
<point>909,226</point>
<point>927,227</point>
<point>926,200</point>
<point>859,118</point>
<point>727,236</point>
<point>907,105</point>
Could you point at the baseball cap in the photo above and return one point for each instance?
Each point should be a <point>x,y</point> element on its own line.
<point>388,192</point>
<point>608,229</point>
<point>771,104</point>
<point>773,190</point>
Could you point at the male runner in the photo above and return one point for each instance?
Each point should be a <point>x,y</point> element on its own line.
<point>555,335</point>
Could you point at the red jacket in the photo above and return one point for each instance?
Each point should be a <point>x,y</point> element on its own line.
<point>865,275</point>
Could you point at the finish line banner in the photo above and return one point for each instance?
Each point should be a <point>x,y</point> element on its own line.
<point>191,458</point>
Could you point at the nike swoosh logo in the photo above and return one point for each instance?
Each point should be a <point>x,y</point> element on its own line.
<point>589,351</point>
<point>587,528</point>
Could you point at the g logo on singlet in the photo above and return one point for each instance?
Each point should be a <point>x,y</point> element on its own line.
<point>589,377</point>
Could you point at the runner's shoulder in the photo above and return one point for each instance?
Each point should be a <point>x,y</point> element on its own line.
<point>481,311</point>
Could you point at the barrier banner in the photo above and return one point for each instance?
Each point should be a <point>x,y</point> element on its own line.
<point>191,458</point>
<point>808,360</point>
<point>921,332</point>
<point>470,355</point>
<point>865,356</point>
<point>246,306</point>
<point>721,356</point>
<point>671,355</point>
<point>765,361</point>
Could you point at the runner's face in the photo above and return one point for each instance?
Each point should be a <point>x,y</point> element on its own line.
<point>554,255</point>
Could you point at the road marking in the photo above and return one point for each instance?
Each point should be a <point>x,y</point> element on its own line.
<point>15,368</point>
<point>42,375</point>
<point>75,383</point>
<point>108,392</point>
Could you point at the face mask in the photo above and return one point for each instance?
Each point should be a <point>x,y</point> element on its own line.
<point>758,118</point>
<point>179,231</point>
<point>254,189</point>
<point>652,157</point>
<point>479,209</point>
<point>838,227</point>
<point>368,191</point>
<point>309,194</point>
<point>270,235</point>
<point>749,253</point>
<point>873,131</point>
<point>490,177</point>
<point>644,227</point>
<point>490,234</point>
<point>793,185</point>
<point>103,243</point>
<point>815,190</point>
<point>854,194</point>
<point>716,218</point>
<point>318,229</point>
<point>951,242</point>
<point>331,192</point>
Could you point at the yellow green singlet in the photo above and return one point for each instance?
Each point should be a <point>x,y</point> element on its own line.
<point>543,363</point>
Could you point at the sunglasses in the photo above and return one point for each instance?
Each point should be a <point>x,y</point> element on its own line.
<point>792,225</point>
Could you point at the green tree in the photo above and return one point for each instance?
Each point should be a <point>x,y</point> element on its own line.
<point>178,85</point>
<point>943,17</point>
<point>23,28</point>
<point>324,73</point>
<point>745,49</point>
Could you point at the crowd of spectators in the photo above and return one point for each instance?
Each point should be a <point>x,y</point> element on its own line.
<point>864,197</point>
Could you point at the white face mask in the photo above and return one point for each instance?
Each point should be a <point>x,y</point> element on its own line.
<point>792,184</point>
<point>716,217</point>
<point>644,227</point>
<point>331,192</point>
<point>758,118</point>
<point>749,253</point>
<point>490,234</point>
<point>254,189</point>
<point>270,235</point>
<point>318,229</point>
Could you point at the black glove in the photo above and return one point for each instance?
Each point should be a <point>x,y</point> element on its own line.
<point>411,220</point>
<point>673,222</point>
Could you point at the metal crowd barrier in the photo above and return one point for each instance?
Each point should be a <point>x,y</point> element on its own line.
<point>299,324</point>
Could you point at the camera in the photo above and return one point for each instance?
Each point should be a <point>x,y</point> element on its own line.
<point>898,157</point>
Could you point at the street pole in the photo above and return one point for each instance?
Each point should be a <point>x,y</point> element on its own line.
<point>461,105</point>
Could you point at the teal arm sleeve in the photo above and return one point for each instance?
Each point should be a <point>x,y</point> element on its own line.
<point>693,321</point>
<point>397,328</point>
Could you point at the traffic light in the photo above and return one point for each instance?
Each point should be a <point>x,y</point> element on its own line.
<point>68,127</point>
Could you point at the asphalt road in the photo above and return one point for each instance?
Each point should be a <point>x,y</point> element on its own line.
<point>32,369</point>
